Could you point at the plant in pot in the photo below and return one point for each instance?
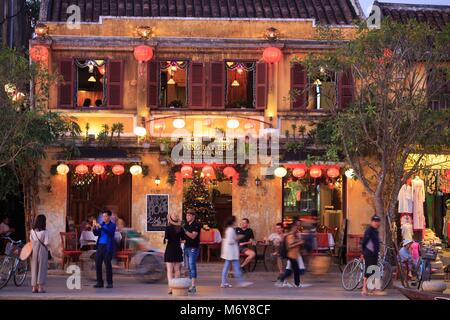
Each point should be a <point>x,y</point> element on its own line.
<point>176,104</point>
<point>164,144</point>
<point>294,150</point>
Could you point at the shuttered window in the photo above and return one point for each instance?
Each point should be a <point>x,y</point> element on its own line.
<point>217,85</point>
<point>261,85</point>
<point>152,76</point>
<point>299,86</point>
<point>66,89</point>
<point>346,89</point>
<point>115,84</point>
<point>197,85</point>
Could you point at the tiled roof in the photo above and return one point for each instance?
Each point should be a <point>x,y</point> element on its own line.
<point>331,12</point>
<point>435,15</point>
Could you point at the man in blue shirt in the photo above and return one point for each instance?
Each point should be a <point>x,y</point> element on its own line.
<point>105,248</point>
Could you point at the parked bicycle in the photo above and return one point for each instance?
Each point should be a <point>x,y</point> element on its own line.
<point>353,273</point>
<point>424,266</point>
<point>10,264</point>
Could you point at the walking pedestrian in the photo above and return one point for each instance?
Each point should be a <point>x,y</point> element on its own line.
<point>230,253</point>
<point>371,249</point>
<point>192,247</point>
<point>39,257</point>
<point>105,248</point>
<point>293,244</point>
<point>173,256</point>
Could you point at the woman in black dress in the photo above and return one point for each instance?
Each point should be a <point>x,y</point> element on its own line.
<point>173,255</point>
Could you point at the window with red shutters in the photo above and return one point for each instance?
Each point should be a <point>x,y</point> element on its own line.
<point>299,86</point>
<point>66,89</point>
<point>197,85</point>
<point>346,89</point>
<point>152,76</point>
<point>115,84</point>
<point>261,85</point>
<point>217,85</point>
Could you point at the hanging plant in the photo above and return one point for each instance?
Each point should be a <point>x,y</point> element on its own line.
<point>171,178</point>
<point>242,169</point>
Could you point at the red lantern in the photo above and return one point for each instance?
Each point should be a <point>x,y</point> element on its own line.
<point>299,172</point>
<point>118,169</point>
<point>98,169</point>
<point>143,53</point>
<point>272,55</point>
<point>229,172</point>
<point>315,172</point>
<point>39,53</point>
<point>333,173</point>
<point>101,70</point>
<point>186,171</point>
<point>81,169</point>
<point>208,171</point>
<point>447,174</point>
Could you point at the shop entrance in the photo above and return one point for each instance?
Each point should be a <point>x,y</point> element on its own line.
<point>90,194</point>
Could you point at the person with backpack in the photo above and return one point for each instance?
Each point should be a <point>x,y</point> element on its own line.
<point>290,249</point>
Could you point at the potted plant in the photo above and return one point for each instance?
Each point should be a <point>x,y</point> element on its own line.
<point>164,143</point>
<point>176,104</point>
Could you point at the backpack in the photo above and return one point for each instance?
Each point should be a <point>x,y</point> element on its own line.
<point>282,250</point>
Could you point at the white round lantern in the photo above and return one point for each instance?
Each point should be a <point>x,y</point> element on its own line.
<point>280,172</point>
<point>179,123</point>
<point>140,131</point>
<point>136,170</point>
<point>233,123</point>
<point>350,173</point>
<point>62,169</point>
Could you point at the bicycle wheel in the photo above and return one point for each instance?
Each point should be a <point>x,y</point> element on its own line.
<point>352,275</point>
<point>6,267</point>
<point>21,272</point>
<point>386,275</point>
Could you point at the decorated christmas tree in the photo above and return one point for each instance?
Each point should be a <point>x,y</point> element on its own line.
<point>197,198</point>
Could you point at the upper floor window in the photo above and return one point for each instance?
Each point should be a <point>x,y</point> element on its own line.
<point>90,83</point>
<point>174,84</point>
<point>322,91</point>
<point>240,81</point>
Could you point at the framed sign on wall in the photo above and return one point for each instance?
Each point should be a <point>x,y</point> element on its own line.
<point>157,211</point>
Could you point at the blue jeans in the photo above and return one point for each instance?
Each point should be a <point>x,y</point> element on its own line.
<point>236,269</point>
<point>191,255</point>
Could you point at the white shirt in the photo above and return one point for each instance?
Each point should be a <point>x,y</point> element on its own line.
<point>43,236</point>
<point>230,247</point>
<point>275,238</point>
<point>405,199</point>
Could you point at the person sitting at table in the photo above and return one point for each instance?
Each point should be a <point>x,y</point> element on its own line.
<point>275,239</point>
<point>247,240</point>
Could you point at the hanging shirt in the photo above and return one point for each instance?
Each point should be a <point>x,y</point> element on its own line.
<point>418,190</point>
<point>407,231</point>
<point>405,199</point>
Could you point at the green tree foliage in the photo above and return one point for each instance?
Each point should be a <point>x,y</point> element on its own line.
<point>396,68</point>
<point>27,127</point>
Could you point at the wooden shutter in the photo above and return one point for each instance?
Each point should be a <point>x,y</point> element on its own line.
<point>299,83</point>
<point>197,85</point>
<point>66,89</point>
<point>346,89</point>
<point>152,77</point>
<point>261,85</point>
<point>217,85</point>
<point>115,84</point>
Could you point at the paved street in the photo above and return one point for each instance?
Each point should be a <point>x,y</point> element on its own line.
<point>126,287</point>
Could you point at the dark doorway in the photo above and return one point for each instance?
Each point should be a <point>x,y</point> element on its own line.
<point>90,194</point>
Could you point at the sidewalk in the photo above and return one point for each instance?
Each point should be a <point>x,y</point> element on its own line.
<point>127,288</point>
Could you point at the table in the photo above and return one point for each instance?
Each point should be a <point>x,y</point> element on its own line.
<point>211,245</point>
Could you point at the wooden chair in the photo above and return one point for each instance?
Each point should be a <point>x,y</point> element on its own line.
<point>206,240</point>
<point>125,253</point>
<point>70,250</point>
<point>354,246</point>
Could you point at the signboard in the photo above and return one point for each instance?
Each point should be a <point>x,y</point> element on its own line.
<point>157,211</point>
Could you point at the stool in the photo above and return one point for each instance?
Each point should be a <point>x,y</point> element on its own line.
<point>179,286</point>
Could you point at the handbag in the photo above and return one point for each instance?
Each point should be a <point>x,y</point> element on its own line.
<point>48,251</point>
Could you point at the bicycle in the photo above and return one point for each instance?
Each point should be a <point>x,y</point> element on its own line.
<point>353,273</point>
<point>424,266</point>
<point>11,265</point>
